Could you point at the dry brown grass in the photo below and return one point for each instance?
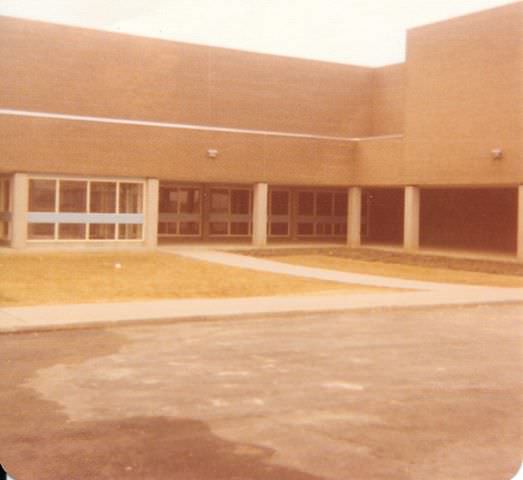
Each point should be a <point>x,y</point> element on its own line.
<point>430,274</point>
<point>49,278</point>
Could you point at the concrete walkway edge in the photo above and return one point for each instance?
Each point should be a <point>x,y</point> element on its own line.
<point>48,317</point>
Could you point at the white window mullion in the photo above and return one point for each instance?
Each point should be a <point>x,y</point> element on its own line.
<point>116,226</point>
<point>56,206</point>
<point>144,209</point>
<point>88,209</point>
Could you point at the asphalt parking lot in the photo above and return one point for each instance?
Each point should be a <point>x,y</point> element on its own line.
<point>431,393</point>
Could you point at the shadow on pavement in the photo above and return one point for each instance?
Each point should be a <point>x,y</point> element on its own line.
<point>146,447</point>
<point>38,442</point>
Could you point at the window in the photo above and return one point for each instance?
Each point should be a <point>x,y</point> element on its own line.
<point>130,231</point>
<point>306,203</point>
<point>189,200</point>
<point>42,195</point>
<point>101,231</point>
<point>71,231</point>
<point>240,202</point>
<point>279,213</point>
<point>5,215</point>
<point>103,197</point>
<point>322,213</point>
<point>219,201</point>
<point>130,198</point>
<point>180,211</point>
<point>41,231</point>
<point>230,211</point>
<point>73,196</point>
<point>85,209</point>
<point>324,204</point>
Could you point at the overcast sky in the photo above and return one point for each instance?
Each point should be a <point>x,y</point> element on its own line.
<point>361,32</point>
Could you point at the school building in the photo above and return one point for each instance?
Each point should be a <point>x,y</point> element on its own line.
<point>110,139</point>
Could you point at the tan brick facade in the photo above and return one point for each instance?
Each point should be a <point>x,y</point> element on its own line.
<point>433,121</point>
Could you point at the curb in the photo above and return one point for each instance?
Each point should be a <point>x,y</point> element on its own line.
<point>143,321</point>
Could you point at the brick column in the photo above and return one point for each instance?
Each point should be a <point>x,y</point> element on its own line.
<point>520,222</point>
<point>259,214</point>
<point>152,192</point>
<point>19,207</point>
<point>354,217</point>
<point>411,219</point>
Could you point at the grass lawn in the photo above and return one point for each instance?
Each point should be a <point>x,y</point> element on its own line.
<point>414,272</point>
<point>47,278</point>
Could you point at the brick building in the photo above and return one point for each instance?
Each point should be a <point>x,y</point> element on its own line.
<point>113,139</point>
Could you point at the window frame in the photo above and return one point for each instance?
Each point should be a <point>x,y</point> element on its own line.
<point>228,217</point>
<point>179,217</point>
<point>336,224</point>
<point>57,218</point>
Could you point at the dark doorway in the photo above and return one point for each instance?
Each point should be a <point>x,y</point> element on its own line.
<point>482,219</point>
<point>382,216</point>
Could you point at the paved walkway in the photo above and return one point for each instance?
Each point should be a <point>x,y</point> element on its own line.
<point>263,265</point>
<point>417,294</point>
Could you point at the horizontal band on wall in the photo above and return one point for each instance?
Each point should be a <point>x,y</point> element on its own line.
<point>103,218</point>
<point>183,126</point>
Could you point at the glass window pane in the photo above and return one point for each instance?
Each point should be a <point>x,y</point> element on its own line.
<point>324,204</point>
<point>132,231</point>
<point>168,199</point>
<point>305,228</point>
<point>4,195</point>
<point>324,229</point>
<point>340,204</point>
<point>71,231</point>
<point>305,203</point>
<point>73,196</point>
<point>218,228</point>
<point>189,200</point>
<point>42,195</point>
<point>40,231</point>
<point>167,228</point>
<point>240,202</point>
<point>103,197</point>
<point>340,229</point>
<point>239,228</point>
<point>219,201</point>
<point>279,228</point>
<point>101,231</point>
<point>189,228</point>
<point>279,203</point>
<point>131,198</point>
<point>4,230</point>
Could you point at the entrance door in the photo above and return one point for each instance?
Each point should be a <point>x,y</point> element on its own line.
<point>230,212</point>
<point>279,213</point>
<point>180,211</point>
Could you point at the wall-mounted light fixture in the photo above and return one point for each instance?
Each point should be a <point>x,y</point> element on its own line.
<point>212,153</point>
<point>496,153</point>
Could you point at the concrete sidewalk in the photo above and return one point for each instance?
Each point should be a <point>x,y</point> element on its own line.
<point>263,265</point>
<point>415,294</point>
<point>49,317</point>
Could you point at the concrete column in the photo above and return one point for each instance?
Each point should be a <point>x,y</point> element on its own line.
<point>259,214</point>
<point>411,219</point>
<point>5,210</point>
<point>520,222</point>
<point>152,192</point>
<point>19,207</point>
<point>354,217</point>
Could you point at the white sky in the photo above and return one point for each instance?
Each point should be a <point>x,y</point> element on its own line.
<point>360,32</point>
